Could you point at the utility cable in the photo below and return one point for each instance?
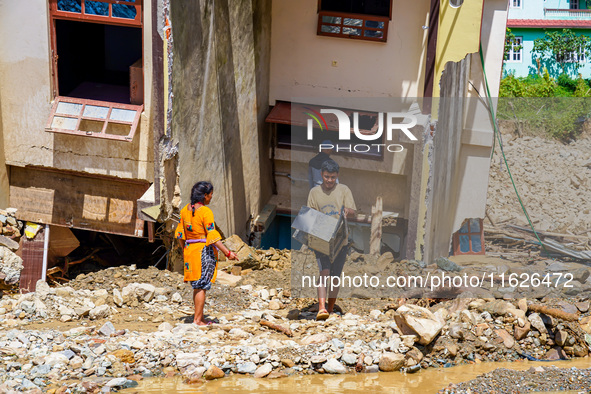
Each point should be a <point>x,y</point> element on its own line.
<point>498,135</point>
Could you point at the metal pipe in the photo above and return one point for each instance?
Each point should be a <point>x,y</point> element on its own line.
<point>45,252</point>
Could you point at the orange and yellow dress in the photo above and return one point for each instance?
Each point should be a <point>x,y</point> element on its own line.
<point>197,228</point>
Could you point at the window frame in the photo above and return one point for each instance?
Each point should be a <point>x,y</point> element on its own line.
<point>456,238</point>
<point>364,28</point>
<point>55,14</point>
<point>512,4</point>
<point>575,2</point>
<point>512,53</point>
<point>572,57</point>
<point>84,102</point>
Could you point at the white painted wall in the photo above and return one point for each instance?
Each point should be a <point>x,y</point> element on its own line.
<point>302,62</point>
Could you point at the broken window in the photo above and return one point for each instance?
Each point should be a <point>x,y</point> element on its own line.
<point>358,19</point>
<point>470,238</point>
<point>97,67</point>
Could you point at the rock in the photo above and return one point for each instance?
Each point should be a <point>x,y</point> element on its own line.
<point>349,358</point>
<point>585,324</point>
<point>521,332</point>
<point>176,297</point>
<point>391,362</point>
<point>263,370</point>
<point>582,306</point>
<point>274,305</point>
<point>42,289</point>
<point>579,351</point>
<point>56,358</point>
<point>64,292</point>
<point>334,367</point>
<point>413,319</point>
<point>145,292</point>
<point>508,340</point>
<point>165,327</point>
<point>447,265</point>
<point>456,331</point>
<point>213,373</point>
<point>522,304</point>
<point>247,367</point>
<point>452,349</point>
<point>124,355</point>
<point>100,312</point>
<point>264,294</point>
<point>117,382</point>
<point>556,353</point>
<point>316,339</point>
<point>537,323</point>
<point>9,243</point>
<point>581,274</point>
<point>224,278</point>
<point>107,329</point>
<point>293,314</point>
<point>318,359</point>
<point>11,266</point>
<point>496,307</point>
<point>560,337</point>
<point>287,363</point>
<point>374,314</point>
<point>117,298</point>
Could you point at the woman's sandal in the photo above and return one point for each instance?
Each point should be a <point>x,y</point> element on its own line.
<point>322,314</point>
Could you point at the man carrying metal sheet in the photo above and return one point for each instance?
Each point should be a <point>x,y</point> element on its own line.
<point>330,198</point>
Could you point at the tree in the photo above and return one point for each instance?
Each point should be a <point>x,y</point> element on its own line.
<point>564,49</point>
<point>511,43</point>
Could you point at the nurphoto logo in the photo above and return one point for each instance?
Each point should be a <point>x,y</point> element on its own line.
<point>409,121</point>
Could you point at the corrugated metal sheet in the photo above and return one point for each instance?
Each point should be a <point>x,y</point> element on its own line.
<point>32,255</point>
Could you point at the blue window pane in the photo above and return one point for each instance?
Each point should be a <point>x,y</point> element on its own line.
<point>124,11</point>
<point>464,228</point>
<point>474,225</point>
<point>374,24</point>
<point>96,8</point>
<point>69,5</point>
<point>476,244</point>
<point>374,33</point>
<point>464,243</point>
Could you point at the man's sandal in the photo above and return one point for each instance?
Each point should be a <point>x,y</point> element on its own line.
<point>322,314</point>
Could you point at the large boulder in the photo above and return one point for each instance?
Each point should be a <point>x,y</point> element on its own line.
<point>413,319</point>
<point>145,292</point>
<point>10,268</point>
<point>391,362</point>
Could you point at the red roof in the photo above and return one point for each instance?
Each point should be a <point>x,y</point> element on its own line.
<point>545,23</point>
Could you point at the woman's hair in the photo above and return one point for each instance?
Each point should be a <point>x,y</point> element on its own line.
<point>198,192</point>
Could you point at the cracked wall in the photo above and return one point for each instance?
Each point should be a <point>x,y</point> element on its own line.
<point>220,58</point>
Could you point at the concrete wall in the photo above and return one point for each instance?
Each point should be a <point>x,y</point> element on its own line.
<point>26,94</point>
<point>218,84</point>
<point>302,61</point>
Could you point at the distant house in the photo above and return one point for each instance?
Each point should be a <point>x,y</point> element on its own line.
<point>530,19</point>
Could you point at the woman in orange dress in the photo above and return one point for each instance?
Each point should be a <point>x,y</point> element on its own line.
<point>200,241</point>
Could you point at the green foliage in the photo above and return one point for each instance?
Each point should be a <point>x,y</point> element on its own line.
<point>566,82</point>
<point>560,48</point>
<point>556,108</point>
<point>510,43</point>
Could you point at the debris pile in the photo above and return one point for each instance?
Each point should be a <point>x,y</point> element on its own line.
<point>11,265</point>
<point>554,182</point>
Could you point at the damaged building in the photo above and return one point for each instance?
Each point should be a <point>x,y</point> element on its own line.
<point>111,110</point>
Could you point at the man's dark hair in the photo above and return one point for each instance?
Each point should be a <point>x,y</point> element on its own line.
<point>330,166</point>
<point>199,190</point>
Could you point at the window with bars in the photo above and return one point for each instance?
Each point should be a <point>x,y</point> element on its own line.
<point>516,51</point>
<point>357,19</point>
<point>571,57</point>
<point>573,4</point>
<point>515,3</point>
<point>470,238</point>
<point>97,57</point>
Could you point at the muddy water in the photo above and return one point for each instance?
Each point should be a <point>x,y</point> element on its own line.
<point>425,381</point>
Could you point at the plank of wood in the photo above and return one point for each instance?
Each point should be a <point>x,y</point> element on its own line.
<point>375,240</point>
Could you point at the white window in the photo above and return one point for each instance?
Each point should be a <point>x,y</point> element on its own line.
<point>572,57</point>
<point>574,4</point>
<point>515,3</point>
<point>514,52</point>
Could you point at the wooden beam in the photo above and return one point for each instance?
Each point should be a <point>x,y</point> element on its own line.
<point>375,240</point>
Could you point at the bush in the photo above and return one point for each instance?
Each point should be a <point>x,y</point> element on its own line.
<point>566,82</point>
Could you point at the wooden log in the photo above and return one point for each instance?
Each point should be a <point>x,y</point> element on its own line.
<point>557,313</point>
<point>375,240</point>
<point>276,327</point>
